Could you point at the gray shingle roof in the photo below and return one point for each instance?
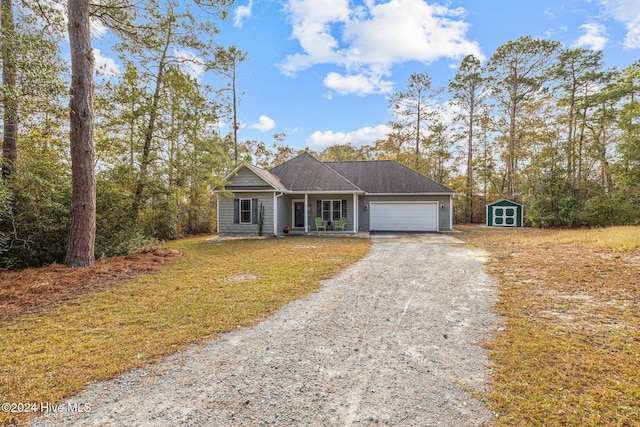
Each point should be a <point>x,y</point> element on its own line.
<point>267,177</point>
<point>387,177</point>
<point>306,173</point>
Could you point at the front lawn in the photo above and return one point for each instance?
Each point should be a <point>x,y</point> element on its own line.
<point>569,350</point>
<point>214,287</point>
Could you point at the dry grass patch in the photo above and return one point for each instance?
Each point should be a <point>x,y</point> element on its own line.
<point>32,289</point>
<point>570,349</point>
<point>214,287</point>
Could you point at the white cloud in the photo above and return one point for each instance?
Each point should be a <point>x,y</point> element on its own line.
<point>98,29</point>
<point>190,63</point>
<point>311,25</point>
<point>320,140</point>
<point>628,13</point>
<point>360,84</point>
<point>406,30</point>
<point>632,41</point>
<point>242,13</point>
<point>368,40</point>
<point>264,124</point>
<point>595,36</point>
<point>104,65</point>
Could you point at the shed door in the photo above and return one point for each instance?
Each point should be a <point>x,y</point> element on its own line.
<point>403,216</point>
<point>504,216</point>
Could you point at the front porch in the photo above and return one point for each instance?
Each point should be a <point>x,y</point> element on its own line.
<point>330,233</point>
<point>298,212</point>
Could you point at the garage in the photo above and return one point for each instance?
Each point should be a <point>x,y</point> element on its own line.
<point>403,216</point>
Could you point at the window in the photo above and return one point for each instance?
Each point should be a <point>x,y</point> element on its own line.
<point>333,210</point>
<point>245,211</point>
<point>337,210</point>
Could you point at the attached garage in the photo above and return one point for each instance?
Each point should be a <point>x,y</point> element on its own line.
<point>403,216</point>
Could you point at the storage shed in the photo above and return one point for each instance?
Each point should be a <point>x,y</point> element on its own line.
<point>504,213</point>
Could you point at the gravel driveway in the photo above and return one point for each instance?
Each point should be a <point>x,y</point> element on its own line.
<point>392,341</point>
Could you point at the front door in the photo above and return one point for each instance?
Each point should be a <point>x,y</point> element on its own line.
<point>298,214</point>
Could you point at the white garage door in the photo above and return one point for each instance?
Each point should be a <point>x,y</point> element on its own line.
<point>403,216</point>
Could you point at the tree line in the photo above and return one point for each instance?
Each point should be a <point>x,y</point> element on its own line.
<point>549,127</point>
<point>129,160</point>
<point>114,164</point>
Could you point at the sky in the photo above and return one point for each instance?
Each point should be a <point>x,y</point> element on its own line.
<point>322,71</point>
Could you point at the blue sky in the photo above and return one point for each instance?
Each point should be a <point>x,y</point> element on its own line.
<point>321,71</point>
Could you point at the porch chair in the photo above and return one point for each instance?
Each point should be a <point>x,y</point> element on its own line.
<point>340,225</point>
<point>320,225</point>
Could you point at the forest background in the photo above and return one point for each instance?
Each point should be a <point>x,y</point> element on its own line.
<point>538,123</point>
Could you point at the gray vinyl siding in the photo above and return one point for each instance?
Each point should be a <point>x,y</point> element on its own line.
<point>284,214</point>
<point>226,207</point>
<point>444,215</point>
<point>246,178</point>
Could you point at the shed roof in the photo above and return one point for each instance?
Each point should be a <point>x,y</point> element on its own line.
<point>504,202</point>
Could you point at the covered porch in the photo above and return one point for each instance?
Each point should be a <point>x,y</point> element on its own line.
<point>298,212</point>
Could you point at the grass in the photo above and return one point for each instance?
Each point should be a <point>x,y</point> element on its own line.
<point>569,349</point>
<point>215,287</point>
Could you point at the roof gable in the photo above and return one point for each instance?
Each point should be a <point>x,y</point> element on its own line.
<point>387,177</point>
<point>503,202</point>
<point>306,173</point>
<point>247,176</point>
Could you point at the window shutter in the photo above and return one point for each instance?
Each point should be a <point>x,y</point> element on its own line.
<point>344,208</point>
<point>319,208</point>
<point>254,211</point>
<point>236,211</point>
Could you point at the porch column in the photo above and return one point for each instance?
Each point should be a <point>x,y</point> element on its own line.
<point>306,213</point>
<point>275,213</point>
<point>355,213</point>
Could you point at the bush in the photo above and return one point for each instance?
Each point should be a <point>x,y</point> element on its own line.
<point>611,209</point>
<point>36,229</point>
<point>160,220</point>
<point>6,215</point>
<point>117,231</point>
<point>548,212</point>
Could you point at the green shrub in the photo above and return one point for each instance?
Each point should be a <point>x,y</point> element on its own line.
<point>117,231</point>
<point>611,209</point>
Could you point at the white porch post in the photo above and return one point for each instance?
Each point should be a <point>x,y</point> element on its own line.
<point>355,213</point>
<point>275,213</point>
<point>306,213</point>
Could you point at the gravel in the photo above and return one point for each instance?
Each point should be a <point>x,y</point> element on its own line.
<point>393,340</point>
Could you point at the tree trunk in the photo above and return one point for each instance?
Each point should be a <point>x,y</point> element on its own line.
<point>149,132</point>
<point>418,136</point>
<point>83,212</point>
<point>10,103</point>
<point>470,156</point>
<point>571,135</point>
<point>511,151</point>
<point>235,115</point>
